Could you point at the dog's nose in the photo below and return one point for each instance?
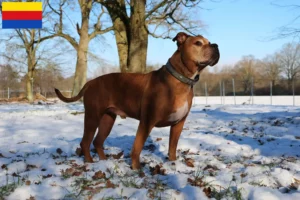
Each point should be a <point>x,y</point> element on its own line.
<point>214,45</point>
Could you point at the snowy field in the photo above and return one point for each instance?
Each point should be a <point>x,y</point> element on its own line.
<point>225,152</point>
<point>256,100</point>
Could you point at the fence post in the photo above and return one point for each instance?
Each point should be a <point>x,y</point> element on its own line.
<point>8,93</point>
<point>293,93</point>
<point>221,92</point>
<point>224,93</point>
<point>252,90</point>
<point>233,89</point>
<point>271,91</point>
<point>205,92</point>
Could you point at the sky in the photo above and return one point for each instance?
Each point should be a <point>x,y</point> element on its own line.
<point>239,27</point>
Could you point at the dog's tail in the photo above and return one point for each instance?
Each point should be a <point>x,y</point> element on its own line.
<point>72,99</point>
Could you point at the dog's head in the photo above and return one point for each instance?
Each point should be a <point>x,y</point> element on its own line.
<point>196,51</point>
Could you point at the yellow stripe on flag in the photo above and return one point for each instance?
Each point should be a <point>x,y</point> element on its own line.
<point>22,6</point>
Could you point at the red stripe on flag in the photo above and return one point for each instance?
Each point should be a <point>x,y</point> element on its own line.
<point>21,15</point>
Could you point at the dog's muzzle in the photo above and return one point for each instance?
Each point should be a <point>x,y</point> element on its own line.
<point>216,55</point>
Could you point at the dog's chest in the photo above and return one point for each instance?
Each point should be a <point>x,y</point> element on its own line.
<point>179,111</point>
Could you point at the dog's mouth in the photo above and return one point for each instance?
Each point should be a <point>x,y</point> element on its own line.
<point>210,62</point>
<point>215,60</point>
<point>202,64</point>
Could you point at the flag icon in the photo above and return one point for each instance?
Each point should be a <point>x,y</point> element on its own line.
<point>21,15</point>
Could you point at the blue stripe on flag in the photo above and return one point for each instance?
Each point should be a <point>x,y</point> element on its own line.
<point>21,24</point>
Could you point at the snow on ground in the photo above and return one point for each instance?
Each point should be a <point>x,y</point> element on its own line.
<point>225,152</point>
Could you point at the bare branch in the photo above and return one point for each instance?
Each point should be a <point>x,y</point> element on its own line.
<point>156,7</point>
<point>98,32</point>
<point>290,29</point>
<point>12,58</point>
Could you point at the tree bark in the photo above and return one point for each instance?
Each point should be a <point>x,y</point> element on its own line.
<point>81,63</point>
<point>131,34</point>
<point>31,62</point>
<point>29,92</point>
<point>81,68</point>
<point>122,43</point>
<point>120,20</point>
<point>138,37</point>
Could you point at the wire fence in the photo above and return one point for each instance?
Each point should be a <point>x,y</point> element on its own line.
<point>223,91</point>
<point>251,86</point>
<point>249,91</point>
<point>11,94</point>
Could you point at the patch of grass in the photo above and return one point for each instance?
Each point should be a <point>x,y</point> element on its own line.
<point>65,175</point>
<point>231,192</point>
<point>116,198</point>
<point>270,165</point>
<point>216,191</point>
<point>130,181</point>
<point>113,198</point>
<point>112,172</point>
<point>198,179</point>
<point>8,188</point>
<point>156,188</point>
<point>256,183</point>
<point>227,193</point>
<point>79,186</point>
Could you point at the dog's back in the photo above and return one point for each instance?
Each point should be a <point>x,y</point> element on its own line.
<point>122,91</point>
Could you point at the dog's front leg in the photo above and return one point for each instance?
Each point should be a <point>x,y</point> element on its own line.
<point>143,132</point>
<point>175,132</point>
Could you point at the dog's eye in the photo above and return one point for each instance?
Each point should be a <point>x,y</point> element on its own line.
<point>198,43</point>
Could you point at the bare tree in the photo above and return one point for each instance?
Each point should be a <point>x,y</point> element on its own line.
<point>289,59</point>
<point>29,40</point>
<point>47,77</point>
<point>135,20</point>
<point>244,71</point>
<point>86,31</point>
<point>9,77</point>
<point>271,68</point>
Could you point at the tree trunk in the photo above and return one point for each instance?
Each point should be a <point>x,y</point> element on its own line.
<point>29,86</point>
<point>118,15</point>
<point>81,64</point>
<point>30,75</point>
<point>131,34</point>
<point>273,82</point>
<point>138,42</point>
<point>122,43</point>
<point>81,68</point>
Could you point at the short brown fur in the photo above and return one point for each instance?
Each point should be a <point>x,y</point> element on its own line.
<point>150,98</point>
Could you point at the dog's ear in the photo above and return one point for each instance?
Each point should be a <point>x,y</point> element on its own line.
<point>180,38</point>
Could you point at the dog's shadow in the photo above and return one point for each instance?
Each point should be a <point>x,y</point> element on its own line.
<point>150,153</point>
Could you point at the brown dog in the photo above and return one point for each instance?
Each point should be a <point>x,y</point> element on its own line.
<point>159,98</point>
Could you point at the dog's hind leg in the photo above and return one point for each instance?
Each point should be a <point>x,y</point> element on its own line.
<point>91,122</point>
<point>106,123</point>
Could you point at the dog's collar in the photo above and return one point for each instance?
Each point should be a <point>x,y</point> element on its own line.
<point>179,76</point>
